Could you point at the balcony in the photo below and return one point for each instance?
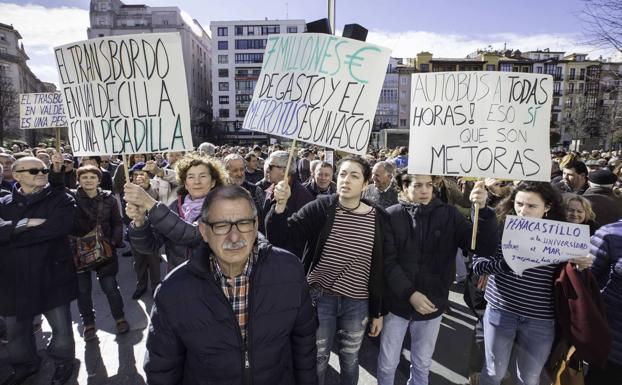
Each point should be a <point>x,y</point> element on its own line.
<point>570,77</point>
<point>557,92</point>
<point>581,77</point>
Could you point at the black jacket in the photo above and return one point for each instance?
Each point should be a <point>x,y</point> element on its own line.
<point>420,252</point>
<point>605,204</point>
<point>36,266</point>
<point>312,224</point>
<point>85,220</point>
<point>314,190</point>
<point>194,337</point>
<point>165,227</point>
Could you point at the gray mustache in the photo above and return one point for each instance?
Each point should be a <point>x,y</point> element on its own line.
<point>234,245</point>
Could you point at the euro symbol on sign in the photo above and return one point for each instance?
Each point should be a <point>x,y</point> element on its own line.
<point>350,61</point>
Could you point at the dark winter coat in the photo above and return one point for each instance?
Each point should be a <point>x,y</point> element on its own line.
<point>85,220</point>
<point>36,267</point>
<point>312,224</point>
<point>314,190</point>
<point>606,206</point>
<point>165,227</point>
<point>606,247</point>
<point>420,252</point>
<point>195,339</point>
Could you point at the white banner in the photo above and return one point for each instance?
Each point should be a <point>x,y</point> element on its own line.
<point>481,124</point>
<point>41,110</point>
<point>531,242</point>
<point>319,89</point>
<point>125,94</point>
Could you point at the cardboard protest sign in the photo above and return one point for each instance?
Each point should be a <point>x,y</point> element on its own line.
<point>531,242</point>
<point>320,89</point>
<point>41,110</point>
<point>125,94</point>
<point>329,157</point>
<point>481,124</point>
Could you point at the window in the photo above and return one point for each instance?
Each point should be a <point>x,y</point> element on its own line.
<point>270,29</point>
<point>490,67</point>
<point>223,59</point>
<point>2,50</point>
<point>402,122</point>
<point>424,67</point>
<point>223,99</point>
<point>223,73</point>
<point>245,85</point>
<point>291,29</point>
<point>251,44</point>
<point>222,31</point>
<point>241,58</point>
<point>243,98</point>
<point>539,70</point>
<point>223,112</point>
<point>505,67</point>
<point>556,101</point>
<point>222,45</point>
<point>581,87</point>
<point>525,69</point>
<point>223,86</point>
<point>571,87</point>
<point>2,36</point>
<point>239,30</point>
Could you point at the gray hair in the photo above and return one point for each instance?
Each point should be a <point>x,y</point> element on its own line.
<point>313,165</point>
<point>231,157</point>
<point>280,158</point>
<point>229,192</point>
<point>206,148</point>
<point>389,167</point>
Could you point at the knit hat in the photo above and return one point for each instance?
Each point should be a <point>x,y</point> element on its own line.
<point>602,177</point>
<point>137,167</point>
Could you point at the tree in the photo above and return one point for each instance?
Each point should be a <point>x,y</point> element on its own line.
<point>577,119</point>
<point>8,110</point>
<point>617,137</point>
<point>602,21</point>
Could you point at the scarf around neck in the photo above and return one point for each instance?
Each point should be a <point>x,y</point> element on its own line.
<point>190,210</point>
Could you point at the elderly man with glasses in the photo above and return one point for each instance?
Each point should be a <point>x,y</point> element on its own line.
<point>37,275</point>
<point>239,309</point>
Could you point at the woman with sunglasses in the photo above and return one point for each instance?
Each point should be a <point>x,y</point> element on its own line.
<point>154,224</point>
<point>93,204</point>
<point>343,258</point>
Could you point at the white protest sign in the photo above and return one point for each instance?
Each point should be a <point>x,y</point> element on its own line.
<point>531,242</point>
<point>329,157</point>
<point>125,94</point>
<point>481,124</point>
<point>41,110</point>
<point>319,89</point>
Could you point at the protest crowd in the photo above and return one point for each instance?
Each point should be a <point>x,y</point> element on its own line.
<point>269,266</point>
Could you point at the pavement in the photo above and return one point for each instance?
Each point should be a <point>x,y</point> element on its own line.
<point>118,360</point>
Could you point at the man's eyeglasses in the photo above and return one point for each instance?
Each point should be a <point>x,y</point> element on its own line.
<point>35,171</point>
<point>224,227</point>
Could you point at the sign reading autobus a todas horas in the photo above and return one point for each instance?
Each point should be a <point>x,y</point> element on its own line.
<point>41,110</point>
<point>481,124</point>
<point>125,94</point>
<point>319,89</point>
<point>532,242</point>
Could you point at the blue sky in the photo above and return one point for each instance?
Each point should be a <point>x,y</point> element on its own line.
<point>452,28</point>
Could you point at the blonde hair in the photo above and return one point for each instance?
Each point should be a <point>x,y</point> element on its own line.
<point>587,206</point>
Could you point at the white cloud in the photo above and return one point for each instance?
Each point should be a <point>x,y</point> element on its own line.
<point>409,43</point>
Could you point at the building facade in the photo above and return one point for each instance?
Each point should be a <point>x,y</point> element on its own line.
<point>237,48</point>
<point>15,78</point>
<point>113,18</point>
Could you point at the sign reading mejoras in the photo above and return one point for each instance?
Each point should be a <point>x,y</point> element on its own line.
<point>41,110</point>
<point>125,94</point>
<point>481,124</point>
<point>319,89</point>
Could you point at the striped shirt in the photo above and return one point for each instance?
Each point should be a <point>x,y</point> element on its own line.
<point>236,289</point>
<point>529,295</point>
<point>345,262</point>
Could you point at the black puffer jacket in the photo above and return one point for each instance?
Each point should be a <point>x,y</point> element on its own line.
<point>36,267</point>
<point>85,220</point>
<point>195,339</point>
<point>420,252</point>
<point>312,224</point>
<point>165,227</point>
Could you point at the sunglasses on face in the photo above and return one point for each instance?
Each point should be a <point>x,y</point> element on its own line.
<point>35,171</point>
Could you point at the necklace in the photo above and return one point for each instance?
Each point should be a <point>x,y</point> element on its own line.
<point>348,210</point>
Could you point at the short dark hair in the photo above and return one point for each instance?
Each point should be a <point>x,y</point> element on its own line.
<point>90,168</point>
<point>324,164</point>
<point>249,157</point>
<point>230,193</point>
<point>578,166</point>
<point>365,167</point>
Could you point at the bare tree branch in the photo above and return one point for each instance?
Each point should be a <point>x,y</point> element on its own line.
<point>602,23</point>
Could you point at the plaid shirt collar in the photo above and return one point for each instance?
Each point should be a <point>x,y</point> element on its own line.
<point>246,272</point>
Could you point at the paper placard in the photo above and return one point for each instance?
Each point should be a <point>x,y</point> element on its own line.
<point>531,242</point>
<point>41,110</point>
<point>481,124</point>
<point>320,89</point>
<point>329,157</point>
<point>125,94</point>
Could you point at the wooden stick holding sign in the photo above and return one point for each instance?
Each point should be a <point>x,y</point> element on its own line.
<point>475,221</point>
<point>126,167</point>
<point>57,139</point>
<point>289,161</point>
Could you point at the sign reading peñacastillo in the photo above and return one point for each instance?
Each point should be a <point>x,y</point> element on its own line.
<point>41,110</point>
<point>319,89</point>
<point>125,94</point>
<point>531,242</point>
<point>481,124</point>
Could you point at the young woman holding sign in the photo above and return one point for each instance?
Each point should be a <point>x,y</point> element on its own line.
<point>344,237</point>
<point>520,314</point>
